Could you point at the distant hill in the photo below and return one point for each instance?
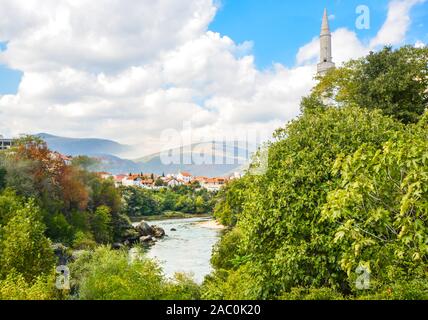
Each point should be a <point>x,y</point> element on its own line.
<point>233,156</point>
<point>115,165</point>
<point>221,159</point>
<point>76,146</point>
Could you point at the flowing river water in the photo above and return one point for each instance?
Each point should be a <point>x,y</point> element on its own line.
<point>188,249</point>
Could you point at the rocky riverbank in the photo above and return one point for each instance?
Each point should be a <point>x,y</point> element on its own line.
<point>141,233</point>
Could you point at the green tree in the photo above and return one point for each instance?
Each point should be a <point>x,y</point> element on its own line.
<point>85,163</point>
<point>230,201</point>
<point>59,230</point>
<point>101,225</point>
<point>24,248</point>
<point>140,202</point>
<point>200,205</point>
<point>394,81</point>
<point>16,287</point>
<point>284,244</point>
<point>111,275</point>
<point>380,210</point>
<point>160,183</point>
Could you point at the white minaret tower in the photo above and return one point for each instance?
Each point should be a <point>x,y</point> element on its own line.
<point>326,62</point>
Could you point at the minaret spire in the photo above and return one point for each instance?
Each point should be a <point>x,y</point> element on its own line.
<point>326,59</point>
<point>325,28</point>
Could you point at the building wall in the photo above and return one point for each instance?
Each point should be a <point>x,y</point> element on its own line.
<point>5,144</point>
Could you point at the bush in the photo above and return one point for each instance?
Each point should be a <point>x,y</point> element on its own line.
<point>412,289</point>
<point>15,287</point>
<point>101,225</point>
<point>381,207</point>
<point>59,230</point>
<point>84,241</point>
<point>312,294</point>
<point>24,249</point>
<point>182,287</point>
<point>240,284</point>
<point>227,250</point>
<point>111,275</point>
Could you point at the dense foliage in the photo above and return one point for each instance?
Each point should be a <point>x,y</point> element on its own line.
<point>72,201</point>
<point>185,199</point>
<point>345,192</point>
<point>393,81</point>
<point>111,275</point>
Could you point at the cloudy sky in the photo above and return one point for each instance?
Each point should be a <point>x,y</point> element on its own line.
<point>127,70</point>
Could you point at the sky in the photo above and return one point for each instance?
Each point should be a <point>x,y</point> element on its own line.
<point>136,72</point>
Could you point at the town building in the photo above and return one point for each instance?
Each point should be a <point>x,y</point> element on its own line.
<point>326,58</point>
<point>118,180</point>
<point>146,181</point>
<point>5,143</point>
<point>213,184</point>
<point>185,177</point>
<point>171,183</point>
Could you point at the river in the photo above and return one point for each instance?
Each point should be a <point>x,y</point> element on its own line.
<point>188,249</point>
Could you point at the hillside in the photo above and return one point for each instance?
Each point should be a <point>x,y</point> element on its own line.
<point>84,146</point>
<point>219,159</point>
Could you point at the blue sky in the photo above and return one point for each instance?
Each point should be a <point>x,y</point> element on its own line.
<point>9,79</point>
<point>279,28</point>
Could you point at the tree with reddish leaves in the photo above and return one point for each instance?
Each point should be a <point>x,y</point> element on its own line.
<point>53,182</point>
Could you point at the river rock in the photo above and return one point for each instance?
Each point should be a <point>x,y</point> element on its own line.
<point>144,229</point>
<point>173,229</point>
<point>117,246</point>
<point>158,232</point>
<point>61,252</point>
<point>146,239</point>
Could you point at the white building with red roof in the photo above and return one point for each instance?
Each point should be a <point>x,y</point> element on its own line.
<point>186,177</point>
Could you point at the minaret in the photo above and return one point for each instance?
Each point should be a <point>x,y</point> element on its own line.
<point>326,62</point>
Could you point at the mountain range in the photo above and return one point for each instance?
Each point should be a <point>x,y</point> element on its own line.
<point>221,159</point>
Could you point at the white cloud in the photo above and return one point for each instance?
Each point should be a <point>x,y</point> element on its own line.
<point>127,70</point>
<point>346,45</point>
<point>420,44</point>
<point>397,23</point>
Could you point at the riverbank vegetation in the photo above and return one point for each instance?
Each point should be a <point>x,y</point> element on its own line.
<point>340,213</point>
<point>46,203</point>
<point>178,200</point>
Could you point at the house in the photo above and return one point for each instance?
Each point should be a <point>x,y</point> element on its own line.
<point>214,184</point>
<point>5,143</point>
<point>147,184</point>
<point>138,180</point>
<point>185,177</point>
<point>171,183</point>
<point>118,179</point>
<point>132,180</point>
